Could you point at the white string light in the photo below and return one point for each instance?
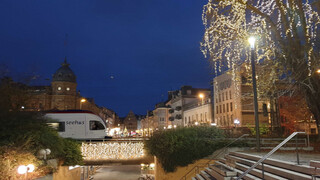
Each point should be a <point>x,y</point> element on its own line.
<point>112,150</point>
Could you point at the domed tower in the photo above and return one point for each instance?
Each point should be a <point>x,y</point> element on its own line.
<point>64,88</point>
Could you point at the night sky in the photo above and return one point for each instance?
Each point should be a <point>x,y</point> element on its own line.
<point>126,54</point>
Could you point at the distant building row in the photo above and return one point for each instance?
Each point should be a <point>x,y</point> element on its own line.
<point>231,106</point>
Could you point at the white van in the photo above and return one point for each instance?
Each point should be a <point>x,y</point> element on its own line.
<point>77,124</point>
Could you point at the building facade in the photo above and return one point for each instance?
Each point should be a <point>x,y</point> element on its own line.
<point>63,95</point>
<point>233,102</point>
<point>198,113</point>
<point>180,99</point>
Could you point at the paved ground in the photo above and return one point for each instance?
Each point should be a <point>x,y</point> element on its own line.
<point>118,172</point>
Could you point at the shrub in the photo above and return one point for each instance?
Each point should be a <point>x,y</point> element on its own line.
<point>182,146</point>
<point>23,134</point>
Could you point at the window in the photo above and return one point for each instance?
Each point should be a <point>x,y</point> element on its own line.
<point>185,120</point>
<point>220,109</point>
<point>201,117</point>
<point>230,94</point>
<point>96,125</point>
<point>219,97</point>
<point>205,116</point>
<point>224,108</point>
<point>189,120</point>
<point>231,107</point>
<point>62,127</point>
<point>217,109</point>
<point>227,107</point>
<point>222,96</point>
<point>216,100</point>
<point>226,95</point>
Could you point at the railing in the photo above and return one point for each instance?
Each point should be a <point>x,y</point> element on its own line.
<point>197,167</point>
<point>269,154</point>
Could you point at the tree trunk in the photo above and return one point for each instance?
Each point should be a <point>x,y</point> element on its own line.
<point>312,97</point>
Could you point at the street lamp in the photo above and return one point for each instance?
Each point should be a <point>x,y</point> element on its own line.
<point>25,169</point>
<point>318,71</point>
<point>82,101</point>
<point>236,122</point>
<point>201,96</point>
<point>254,85</point>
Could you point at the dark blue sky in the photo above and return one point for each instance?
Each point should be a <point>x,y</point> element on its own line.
<point>149,47</point>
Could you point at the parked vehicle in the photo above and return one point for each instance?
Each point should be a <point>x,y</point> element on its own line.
<point>77,124</point>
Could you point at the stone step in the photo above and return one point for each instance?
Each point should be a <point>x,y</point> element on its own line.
<point>258,173</point>
<point>207,176</point>
<point>272,169</point>
<point>277,163</point>
<point>215,174</point>
<point>222,169</point>
<point>199,177</point>
<point>247,177</point>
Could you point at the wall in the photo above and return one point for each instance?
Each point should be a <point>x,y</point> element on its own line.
<point>65,174</point>
<point>180,172</point>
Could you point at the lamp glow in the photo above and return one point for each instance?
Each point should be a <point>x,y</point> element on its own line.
<point>30,167</point>
<point>22,169</point>
<point>252,40</point>
<point>318,71</point>
<point>201,95</point>
<point>83,100</point>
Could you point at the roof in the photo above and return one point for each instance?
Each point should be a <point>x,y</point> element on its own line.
<point>64,73</point>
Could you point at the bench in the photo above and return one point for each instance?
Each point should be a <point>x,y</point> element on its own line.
<point>316,165</point>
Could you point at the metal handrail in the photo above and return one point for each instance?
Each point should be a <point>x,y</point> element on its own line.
<point>221,150</point>
<point>269,154</point>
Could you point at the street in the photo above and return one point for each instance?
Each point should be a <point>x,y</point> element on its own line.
<point>118,172</point>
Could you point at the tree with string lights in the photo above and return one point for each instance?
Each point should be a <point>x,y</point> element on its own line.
<point>287,46</point>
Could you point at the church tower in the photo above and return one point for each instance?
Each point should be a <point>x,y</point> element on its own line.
<point>64,88</point>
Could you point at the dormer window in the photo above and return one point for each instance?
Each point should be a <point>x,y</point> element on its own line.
<point>59,88</point>
<point>68,89</point>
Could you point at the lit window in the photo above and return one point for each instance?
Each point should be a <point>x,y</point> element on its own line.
<point>59,88</point>
<point>68,89</point>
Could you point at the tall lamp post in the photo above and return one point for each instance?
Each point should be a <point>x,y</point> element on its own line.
<point>82,101</point>
<point>254,85</point>
<point>201,96</point>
